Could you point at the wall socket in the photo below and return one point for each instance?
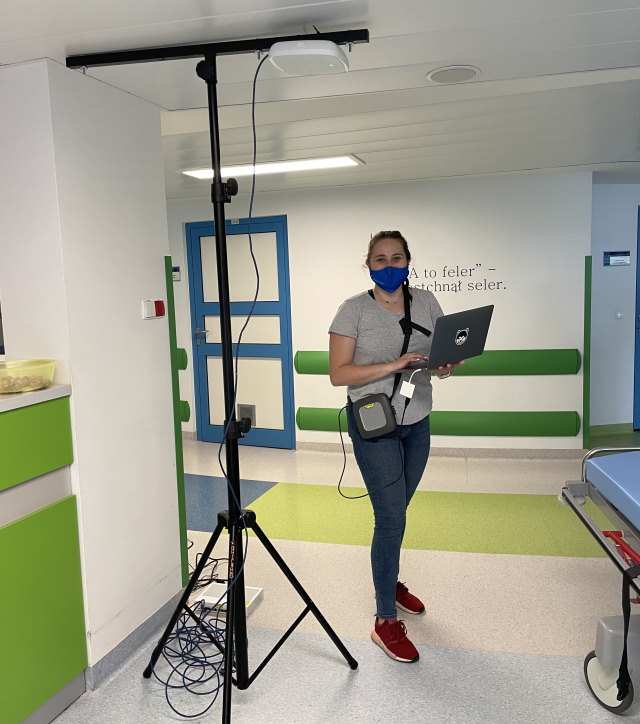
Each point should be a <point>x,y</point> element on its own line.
<point>247,411</point>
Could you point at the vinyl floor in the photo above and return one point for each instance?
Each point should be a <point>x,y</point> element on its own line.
<point>505,630</point>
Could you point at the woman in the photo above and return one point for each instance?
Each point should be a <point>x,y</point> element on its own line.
<point>366,340</point>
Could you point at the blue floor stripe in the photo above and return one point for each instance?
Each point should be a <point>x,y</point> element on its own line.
<point>206,495</point>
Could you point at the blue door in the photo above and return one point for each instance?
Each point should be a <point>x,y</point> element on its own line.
<point>264,359</point>
<point>636,375</point>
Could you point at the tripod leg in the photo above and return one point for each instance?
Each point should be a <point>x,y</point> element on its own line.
<point>237,605</point>
<point>235,624</point>
<point>184,598</point>
<point>301,592</point>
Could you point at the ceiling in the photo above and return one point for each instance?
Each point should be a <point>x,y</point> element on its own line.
<point>558,88</point>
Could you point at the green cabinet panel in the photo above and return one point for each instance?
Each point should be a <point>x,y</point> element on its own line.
<point>34,440</point>
<point>42,616</point>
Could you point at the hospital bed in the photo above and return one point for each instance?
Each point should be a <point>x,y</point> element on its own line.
<point>611,480</point>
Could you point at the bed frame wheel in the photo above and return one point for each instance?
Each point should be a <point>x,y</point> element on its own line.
<point>602,684</point>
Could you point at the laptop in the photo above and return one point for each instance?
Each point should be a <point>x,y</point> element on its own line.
<point>457,337</point>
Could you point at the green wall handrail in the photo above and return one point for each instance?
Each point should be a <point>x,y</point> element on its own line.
<point>478,424</point>
<point>492,362</point>
<point>181,413</point>
<point>181,358</point>
<point>586,369</point>
<point>185,411</point>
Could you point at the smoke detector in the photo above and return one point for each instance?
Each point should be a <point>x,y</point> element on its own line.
<point>308,57</point>
<point>453,74</point>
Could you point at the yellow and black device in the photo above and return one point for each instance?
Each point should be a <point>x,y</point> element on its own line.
<point>374,416</point>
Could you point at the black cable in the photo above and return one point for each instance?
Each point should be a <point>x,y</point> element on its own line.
<point>247,320</point>
<point>209,576</point>
<point>344,464</point>
<point>194,662</point>
<point>257,271</point>
<point>407,400</point>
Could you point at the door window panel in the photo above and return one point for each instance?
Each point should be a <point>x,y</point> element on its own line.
<point>262,329</point>
<point>242,275</point>
<point>259,384</point>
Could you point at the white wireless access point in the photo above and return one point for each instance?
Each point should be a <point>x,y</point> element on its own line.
<point>308,57</point>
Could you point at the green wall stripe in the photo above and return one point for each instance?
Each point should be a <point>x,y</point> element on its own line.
<point>507,424</point>
<point>34,440</point>
<point>586,369</point>
<point>492,362</point>
<point>42,622</point>
<point>522,362</point>
<point>495,424</point>
<point>178,357</point>
<point>320,418</point>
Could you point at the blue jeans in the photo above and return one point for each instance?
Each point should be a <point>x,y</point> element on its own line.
<point>391,466</point>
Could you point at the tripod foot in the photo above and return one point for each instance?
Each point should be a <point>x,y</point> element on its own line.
<point>353,665</point>
<point>149,670</point>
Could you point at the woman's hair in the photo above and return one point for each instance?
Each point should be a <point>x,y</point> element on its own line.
<point>388,235</point>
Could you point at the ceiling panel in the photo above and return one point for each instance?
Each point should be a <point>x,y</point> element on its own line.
<point>558,87</point>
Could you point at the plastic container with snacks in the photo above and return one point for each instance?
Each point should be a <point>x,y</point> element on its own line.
<point>26,375</point>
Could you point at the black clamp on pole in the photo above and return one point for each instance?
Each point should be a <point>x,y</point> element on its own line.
<point>222,192</point>
<point>238,428</point>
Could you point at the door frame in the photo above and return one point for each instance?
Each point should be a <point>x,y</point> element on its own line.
<point>282,308</point>
<point>636,328</point>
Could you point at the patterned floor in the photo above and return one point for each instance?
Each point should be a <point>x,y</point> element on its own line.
<point>505,631</point>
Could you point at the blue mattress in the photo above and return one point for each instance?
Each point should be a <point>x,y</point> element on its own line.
<point>617,478</point>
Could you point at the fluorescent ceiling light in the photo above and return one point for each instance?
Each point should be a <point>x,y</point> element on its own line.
<point>308,164</point>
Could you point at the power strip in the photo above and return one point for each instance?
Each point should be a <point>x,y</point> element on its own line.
<point>215,597</point>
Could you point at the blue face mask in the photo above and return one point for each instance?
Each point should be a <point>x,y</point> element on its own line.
<point>389,278</point>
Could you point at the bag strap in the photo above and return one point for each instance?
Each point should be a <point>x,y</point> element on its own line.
<point>407,328</point>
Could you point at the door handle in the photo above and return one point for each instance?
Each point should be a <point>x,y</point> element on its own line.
<point>199,333</point>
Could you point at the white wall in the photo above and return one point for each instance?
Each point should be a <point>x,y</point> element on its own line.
<point>34,312</point>
<point>82,241</point>
<point>614,228</point>
<point>534,230</point>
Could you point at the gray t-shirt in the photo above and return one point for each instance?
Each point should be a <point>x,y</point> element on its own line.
<point>379,339</point>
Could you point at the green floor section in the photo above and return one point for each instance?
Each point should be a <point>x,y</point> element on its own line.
<point>534,525</point>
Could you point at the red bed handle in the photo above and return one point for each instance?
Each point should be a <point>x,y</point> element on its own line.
<point>616,537</point>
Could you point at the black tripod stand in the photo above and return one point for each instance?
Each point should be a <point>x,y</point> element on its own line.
<point>235,520</point>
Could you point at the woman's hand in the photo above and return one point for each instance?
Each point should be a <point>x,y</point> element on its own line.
<point>406,360</point>
<point>447,369</point>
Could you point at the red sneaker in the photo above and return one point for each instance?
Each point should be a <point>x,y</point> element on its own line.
<point>391,637</point>
<point>407,601</point>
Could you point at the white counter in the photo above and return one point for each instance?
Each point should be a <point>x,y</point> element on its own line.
<point>14,400</point>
